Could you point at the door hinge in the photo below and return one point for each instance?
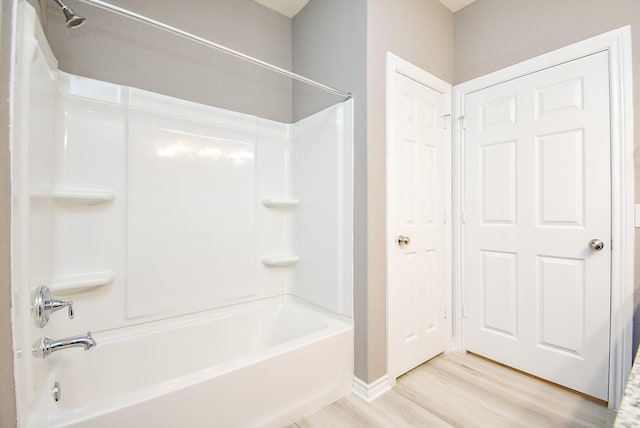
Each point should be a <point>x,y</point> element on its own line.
<point>444,120</point>
<point>464,311</point>
<point>444,220</point>
<point>445,312</point>
<point>462,217</point>
<point>462,124</point>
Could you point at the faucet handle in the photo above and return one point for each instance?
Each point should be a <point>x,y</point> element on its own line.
<point>44,305</point>
<point>56,305</point>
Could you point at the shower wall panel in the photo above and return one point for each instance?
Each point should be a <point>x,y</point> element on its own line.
<point>89,196</point>
<point>90,157</point>
<point>158,206</point>
<point>145,206</point>
<point>323,226</point>
<point>190,214</point>
<point>274,180</point>
<point>32,125</point>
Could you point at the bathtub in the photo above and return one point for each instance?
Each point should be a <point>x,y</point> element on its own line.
<point>265,363</point>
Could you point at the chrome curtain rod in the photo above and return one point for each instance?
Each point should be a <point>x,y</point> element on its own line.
<point>121,11</point>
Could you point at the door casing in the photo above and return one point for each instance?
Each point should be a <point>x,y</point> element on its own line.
<point>618,45</point>
<point>395,65</point>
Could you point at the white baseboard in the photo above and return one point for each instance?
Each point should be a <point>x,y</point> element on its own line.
<point>370,391</point>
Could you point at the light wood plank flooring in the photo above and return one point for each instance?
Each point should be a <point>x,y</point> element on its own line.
<point>463,390</point>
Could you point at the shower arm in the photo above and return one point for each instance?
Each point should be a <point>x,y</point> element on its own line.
<point>141,18</point>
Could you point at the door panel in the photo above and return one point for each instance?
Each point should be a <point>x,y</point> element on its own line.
<point>536,191</point>
<point>498,182</point>
<point>561,312</point>
<point>417,269</point>
<point>499,271</point>
<point>560,161</point>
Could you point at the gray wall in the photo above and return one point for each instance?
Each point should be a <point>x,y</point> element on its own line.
<point>116,49</point>
<point>335,44</point>
<point>492,34</point>
<point>7,400</point>
<point>329,45</point>
<point>421,32</point>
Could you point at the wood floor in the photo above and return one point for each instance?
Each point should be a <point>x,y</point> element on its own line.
<point>463,390</point>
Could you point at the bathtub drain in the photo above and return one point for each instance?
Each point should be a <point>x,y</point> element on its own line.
<point>56,392</point>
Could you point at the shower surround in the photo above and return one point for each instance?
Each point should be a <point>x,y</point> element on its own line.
<point>181,231</point>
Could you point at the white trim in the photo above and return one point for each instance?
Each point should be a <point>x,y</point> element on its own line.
<point>618,45</point>
<point>370,391</point>
<point>395,64</point>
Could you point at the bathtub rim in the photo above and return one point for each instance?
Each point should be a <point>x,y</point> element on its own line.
<point>156,326</point>
<point>48,413</point>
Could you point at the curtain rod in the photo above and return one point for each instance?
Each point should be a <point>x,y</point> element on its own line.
<point>121,11</point>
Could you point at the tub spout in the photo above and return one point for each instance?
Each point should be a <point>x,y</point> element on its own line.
<point>45,346</point>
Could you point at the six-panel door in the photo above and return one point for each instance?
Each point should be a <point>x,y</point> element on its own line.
<point>536,192</point>
<point>418,265</point>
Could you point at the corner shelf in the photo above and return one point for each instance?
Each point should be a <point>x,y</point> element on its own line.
<point>279,202</point>
<point>72,284</point>
<point>83,196</point>
<point>280,260</point>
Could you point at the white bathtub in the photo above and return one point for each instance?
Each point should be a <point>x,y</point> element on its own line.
<point>265,363</point>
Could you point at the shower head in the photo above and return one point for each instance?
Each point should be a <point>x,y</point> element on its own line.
<point>73,20</point>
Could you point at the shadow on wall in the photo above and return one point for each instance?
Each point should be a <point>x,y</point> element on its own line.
<point>120,50</point>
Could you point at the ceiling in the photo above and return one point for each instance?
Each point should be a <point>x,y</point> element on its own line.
<point>287,8</point>
<point>456,5</point>
<point>290,8</point>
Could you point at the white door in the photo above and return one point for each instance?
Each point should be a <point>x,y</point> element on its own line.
<point>537,223</point>
<point>417,260</point>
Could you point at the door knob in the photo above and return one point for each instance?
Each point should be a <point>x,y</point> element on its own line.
<point>596,245</point>
<point>403,240</point>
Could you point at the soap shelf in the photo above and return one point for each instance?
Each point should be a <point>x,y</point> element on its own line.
<point>72,284</point>
<point>83,197</point>
<point>280,260</point>
<point>279,202</point>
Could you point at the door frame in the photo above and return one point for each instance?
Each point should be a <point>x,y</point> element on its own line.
<point>395,64</point>
<point>618,45</point>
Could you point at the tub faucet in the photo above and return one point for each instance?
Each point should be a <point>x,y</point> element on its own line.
<point>45,346</point>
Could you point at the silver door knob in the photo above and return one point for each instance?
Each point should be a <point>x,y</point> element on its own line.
<point>596,245</point>
<point>403,240</point>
